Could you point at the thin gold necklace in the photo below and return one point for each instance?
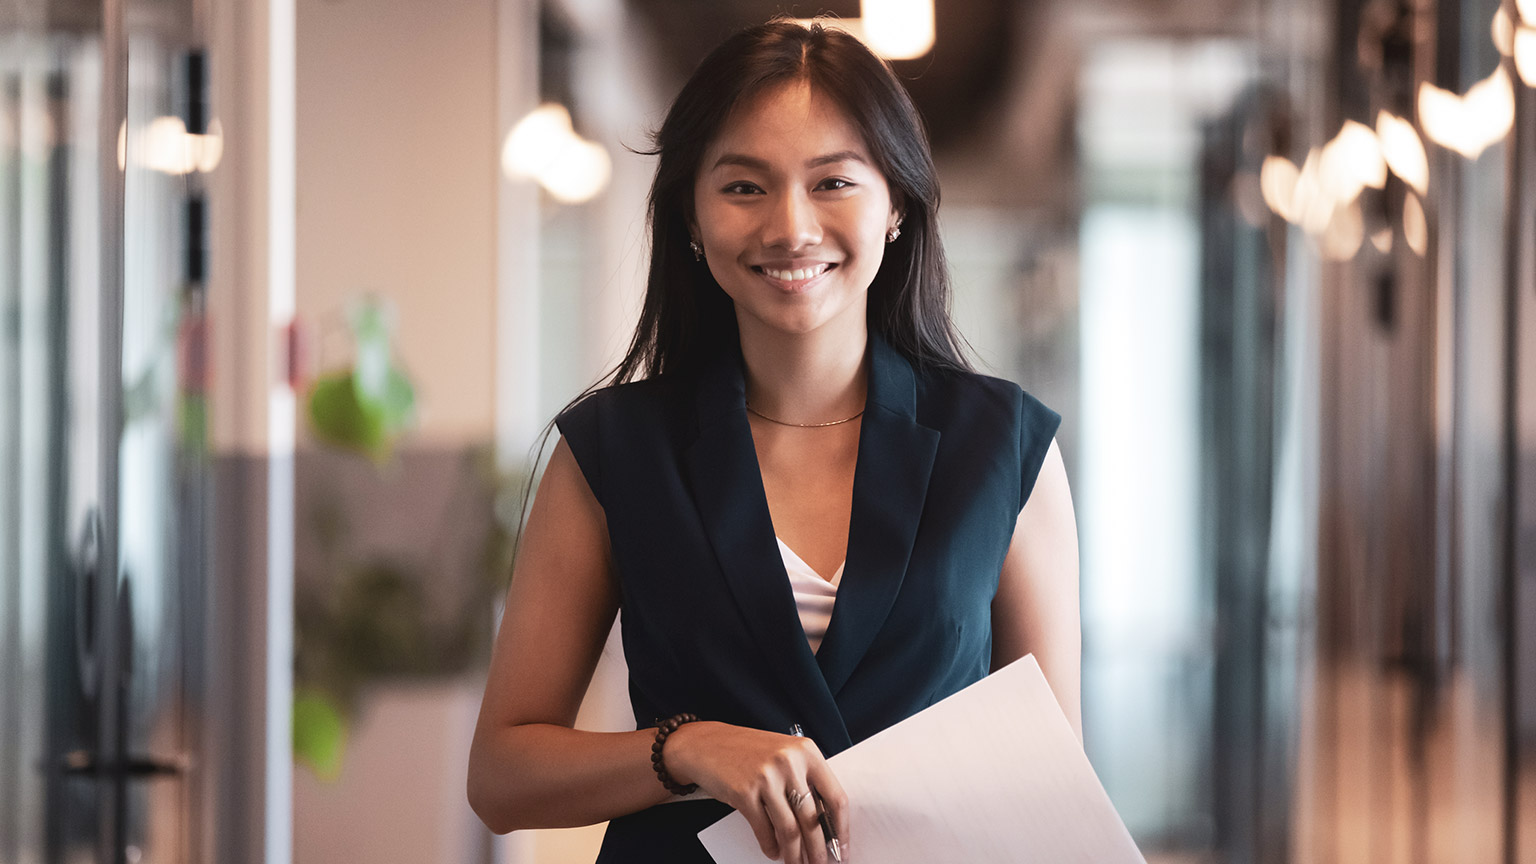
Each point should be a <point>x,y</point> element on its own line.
<point>805,425</point>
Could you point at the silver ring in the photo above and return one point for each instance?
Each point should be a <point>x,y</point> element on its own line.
<point>795,797</point>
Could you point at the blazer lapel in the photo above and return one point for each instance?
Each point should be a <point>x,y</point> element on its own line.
<point>890,484</point>
<point>728,489</point>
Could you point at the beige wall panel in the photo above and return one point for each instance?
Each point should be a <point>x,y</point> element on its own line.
<point>396,192</point>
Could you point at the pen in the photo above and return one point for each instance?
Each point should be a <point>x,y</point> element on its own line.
<point>821,811</point>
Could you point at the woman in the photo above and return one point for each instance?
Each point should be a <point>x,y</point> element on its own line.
<point>804,413</point>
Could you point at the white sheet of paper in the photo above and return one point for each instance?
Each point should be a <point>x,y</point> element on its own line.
<point>991,775</point>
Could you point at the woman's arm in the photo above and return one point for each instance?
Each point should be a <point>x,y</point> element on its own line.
<point>1036,607</point>
<point>529,769</point>
<point>527,766</point>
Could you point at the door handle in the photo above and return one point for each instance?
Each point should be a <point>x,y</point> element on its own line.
<point>83,763</point>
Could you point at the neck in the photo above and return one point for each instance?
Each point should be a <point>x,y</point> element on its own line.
<point>805,378</point>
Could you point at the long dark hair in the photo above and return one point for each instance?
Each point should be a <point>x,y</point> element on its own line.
<point>686,315</point>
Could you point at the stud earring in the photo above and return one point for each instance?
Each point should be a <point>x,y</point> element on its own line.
<point>698,250</point>
<point>891,235</point>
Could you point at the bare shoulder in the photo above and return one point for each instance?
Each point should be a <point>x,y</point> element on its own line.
<point>560,605</point>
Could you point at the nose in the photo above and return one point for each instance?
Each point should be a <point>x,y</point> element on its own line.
<point>792,223</point>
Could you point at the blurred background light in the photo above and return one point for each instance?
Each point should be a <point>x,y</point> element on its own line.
<point>1352,161</point>
<point>1415,227</point>
<point>536,141</point>
<point>1503,32</point>
<point>579,174</point>
<point>1323,195</point>
<point>166,146</point>
<point>893,29</point>
<point>210,147</point>
<point>1344,233</point>
<point>1525,54</point>
<point>898,29</point>
<point>1277,183</point>
<point>1469,124</point>
<point>1403,150</point>
<point>543,146</point>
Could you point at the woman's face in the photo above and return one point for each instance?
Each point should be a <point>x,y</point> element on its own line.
<point>792,212</point>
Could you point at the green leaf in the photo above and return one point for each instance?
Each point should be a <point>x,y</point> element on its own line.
<point>367,407</point>
<point>338,417</point>
<point>319,734</point>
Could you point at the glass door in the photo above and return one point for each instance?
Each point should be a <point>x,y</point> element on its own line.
<point>102,459</point>
<point>168,148</point>
<point>56,594</point>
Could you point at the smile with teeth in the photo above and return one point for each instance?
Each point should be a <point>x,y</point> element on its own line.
<point>795,275</point>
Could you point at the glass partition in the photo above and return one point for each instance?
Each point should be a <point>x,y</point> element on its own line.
<point>100,513</point>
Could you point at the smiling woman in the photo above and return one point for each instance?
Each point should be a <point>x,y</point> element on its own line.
<point>792,215</point>
<point>793,429</point>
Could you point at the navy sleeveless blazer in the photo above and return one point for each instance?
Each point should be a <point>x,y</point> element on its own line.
<point>946,461</point>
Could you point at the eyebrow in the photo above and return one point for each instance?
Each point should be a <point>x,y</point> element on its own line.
<point>762,164</point>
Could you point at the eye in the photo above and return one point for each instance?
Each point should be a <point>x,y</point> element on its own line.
<point>741,188</point>
<point>835,184</point>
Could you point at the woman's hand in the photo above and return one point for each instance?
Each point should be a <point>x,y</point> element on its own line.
<point>758,773</point>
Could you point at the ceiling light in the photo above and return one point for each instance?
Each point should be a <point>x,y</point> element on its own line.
<point>581,172</point>
<point>1403,151</point>
<point>1352,161</point>
<point>1525,54</point>
<point>1503,32</point>
<point>898,29</point>
<point>544,147</point>
<point>1469,124</point>
<point>536,140</point>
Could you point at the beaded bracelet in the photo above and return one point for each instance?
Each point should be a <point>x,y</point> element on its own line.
<point>663,729</point>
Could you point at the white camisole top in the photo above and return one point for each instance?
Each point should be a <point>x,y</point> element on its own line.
<point>814,595</point>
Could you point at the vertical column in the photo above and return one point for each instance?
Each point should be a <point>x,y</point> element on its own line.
<point>251,296</point>
<point>1520,443</point>
<point>277,817</point>
<point>517,280</point>
<point>517,241</point>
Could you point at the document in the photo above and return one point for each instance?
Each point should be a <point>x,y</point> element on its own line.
<point>991,775</point>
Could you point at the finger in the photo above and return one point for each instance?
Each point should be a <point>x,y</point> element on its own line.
<point>786,827</point>
<point>762,828</point>
<point>821,778</point>
<point>814,840</point>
